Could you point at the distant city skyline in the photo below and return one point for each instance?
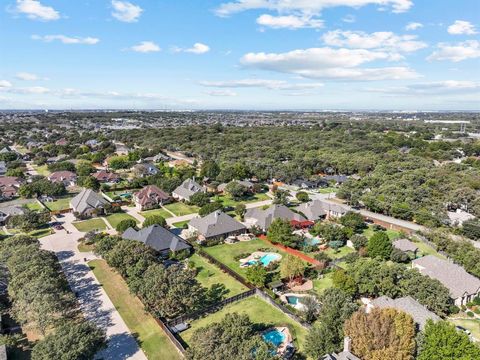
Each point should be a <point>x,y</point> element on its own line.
<point>240,54</point>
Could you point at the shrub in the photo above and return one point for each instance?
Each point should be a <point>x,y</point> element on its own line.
<point>470,314</point>
<point>155,220</point>
<point>125,224</point>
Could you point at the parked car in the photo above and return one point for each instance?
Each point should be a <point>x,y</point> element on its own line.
<point>59,227</point>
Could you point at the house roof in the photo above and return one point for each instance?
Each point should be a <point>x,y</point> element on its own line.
<point>246,183</point>
<point>11,210</point>
<point>405,245</point>
<point>188,188</point>
<point>10,181</point>
<point>87,199</point>
<point>157,237</point>
<point>216,224</point>
<point>315,209</point>
<point>452,276</point>
<point>407,304</point>
<point>150,194</point>
<point>104,175</point>
<point>62,175</point>
<point>344,355</point>
<point>265,217</point>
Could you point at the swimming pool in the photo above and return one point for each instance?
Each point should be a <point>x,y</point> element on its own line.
<point>312,241</point>
<point>274,337</point>
<point>265,260</point>
<point>292,300</point>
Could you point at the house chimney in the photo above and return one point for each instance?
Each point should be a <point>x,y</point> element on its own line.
<point>347,344</point>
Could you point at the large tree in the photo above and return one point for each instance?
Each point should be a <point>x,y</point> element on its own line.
<point>291,267</point>
<point>382,334</point>
<point>280,232</point>
<point>379,245</point>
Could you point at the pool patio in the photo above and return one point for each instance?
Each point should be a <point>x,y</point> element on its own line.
<point>264,258</point>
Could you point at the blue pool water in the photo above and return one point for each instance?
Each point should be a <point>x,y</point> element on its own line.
<point>312,241</point>
<point>292,300</point>
<point>265,260</point>
<point>274,337</point>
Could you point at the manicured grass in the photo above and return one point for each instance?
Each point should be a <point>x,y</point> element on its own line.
<point>227,200</point>
<point>209,274</point>
<point>115,219</point>
<point>42,170</point>
<point>259,311</point>
<point>180,224</point>
<point>59,204</point>
<point>82,247</point>
<point>34,206</point>
<point>150,336</point>
<point>226,253</point>
<point>392,234</point>
<point>39,233</point>
<point>180,208</point>
<point>344,250</point>
<point>424,250</point>
<point>90,225</point>
<point>470,324</point>
<point>327,190</point>
<point>162,212</point>
<point>319,285</point>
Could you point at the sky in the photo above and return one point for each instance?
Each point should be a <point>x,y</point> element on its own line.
<point>240,54</point>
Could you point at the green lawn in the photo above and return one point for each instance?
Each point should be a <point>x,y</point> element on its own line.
<point>162,212</point>
<point>344,250</point>
<point>319,285</point>
<point>115,219</point>
<point>42,170</point>
<point>112,194</point>
<point>59,204</point>
<point>209,274</point>
<point>180,224</point>
<point>150,336</point>
<point>34,206</point>
<point>226,253</point>
<point>327,190</point>
<point>180,208</point>
<point>89,225</point>
<point>392,234</point>
<point>39,233</point>
<point>424,250</point>
<point>470,324</point>
<point>227,200</point>
<point>259,311</point>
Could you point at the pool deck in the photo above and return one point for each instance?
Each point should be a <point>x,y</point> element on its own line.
<point>288,338</point>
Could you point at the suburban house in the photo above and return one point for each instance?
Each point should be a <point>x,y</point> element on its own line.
<point>345,354</point>
<point>337,179</point>
<point>88,203</point>
<point>150,197</point>
<point>310,184</point>
<point>419,313</point>
<point>145,169</point>
<point>158,158</point>
<point>319,209</point>
<point>3,168</point>
<point>67,178</point>
<point>188,188</point>
<point>61,142</point>
<point>8,211</point>
<point>247,184</point>
<point>56,159</point>
<point>9,186</point>
<point>458,217</point>
<point>263,218</point>
<point>406,246</point>
<point>216,225</point>
<point>158,238</point>
<point>463,286</point>
<point>104,176</point>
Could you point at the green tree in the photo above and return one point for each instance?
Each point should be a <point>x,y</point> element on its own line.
<point>354,221</point>
<point>342,280</point>
<point>240,210</point>
<point>302,196</point>
<point>382,334</point>
<point>330,232</point>
<point>471,229</point>
<point>127,253</point>
<point>84,168</point>
<point>125,224</point>
<point>210,207</point>
<point>209,169</point>
<point>236,190</point>
<point>29,220</point>
<point>257,275</point>
<point>281,197</point>
<point>359,241</point>
<point>291,267</point>
<point>89,182</point>
<point>380,245</point>
<point>441,341</point>
<point>280,232</point>
<point>154,220</point>
<point>73,340</point>
<point>199,199</point>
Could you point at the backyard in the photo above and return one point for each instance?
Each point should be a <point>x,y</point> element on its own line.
<point>59,204</point>
<point>162,212</point>
<point>392,234</point>
<point>469,324</point>
<point>319,285</point>
<point>425,249</point>
<point>181,224</point>
<point>259,311</point>
<point>228,201</point>
<point>180,208</point>
<point>90,225</point>
<point>42,170</point>
<point>148,333</point>
<point>116,218</point>
<point>209,274</point>
<point>34,206</point>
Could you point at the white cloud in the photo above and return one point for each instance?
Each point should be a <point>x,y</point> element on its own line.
<point>36,11</point>
<point>126,11</point>
<point>67,39</point>
<point>445,87</point>
<point>5,84</point>
<point>413,26</point>
<point>197,48</point>
<point>26,76</point>
<point>146,47</point>
<point>383,40</point>
<point>306,7</point>
<point>261,83</point>
<point>36,90</point>
<point>349,18</point>
<point>457,52</point>
<point>461,27</point>
<point>330,63</point>
<point>289,22</point>
<point>221,93</point>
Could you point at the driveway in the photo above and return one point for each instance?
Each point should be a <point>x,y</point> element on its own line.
<point>94,302</point>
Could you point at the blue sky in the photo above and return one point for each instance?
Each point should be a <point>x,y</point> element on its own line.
<point>240,54</point>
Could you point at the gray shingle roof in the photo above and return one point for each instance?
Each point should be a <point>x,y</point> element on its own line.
<point>188,188</point>
<point>216,224</point>
<point>264,218</point>
<point>407,304</point>
<point>157,238</point>
<point>405,245</point>
<point>452,276</point>
<point>87,199</point>
<point>315,209</point>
